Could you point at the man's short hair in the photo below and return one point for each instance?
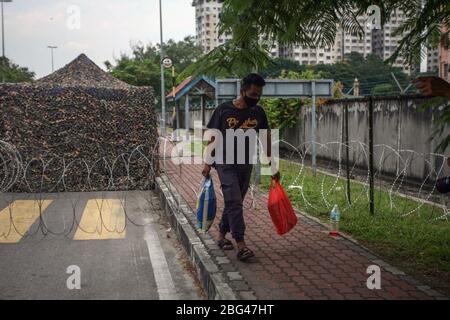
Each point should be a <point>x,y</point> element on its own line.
<point>252,78</point>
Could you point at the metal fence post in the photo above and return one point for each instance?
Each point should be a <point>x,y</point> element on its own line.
<point>347,156</point>
<point>178,117</point>
<point>313,127</point>
<point>371,167</point>
<point>186,116</point>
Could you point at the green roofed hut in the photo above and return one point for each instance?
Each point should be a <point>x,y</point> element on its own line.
<point>198,94</point>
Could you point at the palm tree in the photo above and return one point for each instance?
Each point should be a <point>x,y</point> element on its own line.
<point>255,23</point>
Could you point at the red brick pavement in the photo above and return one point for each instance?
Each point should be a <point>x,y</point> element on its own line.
<point>304,264</point>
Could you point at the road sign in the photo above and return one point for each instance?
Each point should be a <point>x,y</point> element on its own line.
<point>274,88</point>
<point>167,63</point>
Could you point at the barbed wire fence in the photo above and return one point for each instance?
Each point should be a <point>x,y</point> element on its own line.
<point>405,193</point>
<point>117,175</point>
<point>393,186</point>
<point>40,180</point>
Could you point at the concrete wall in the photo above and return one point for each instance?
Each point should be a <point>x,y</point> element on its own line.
<point>402,134</point>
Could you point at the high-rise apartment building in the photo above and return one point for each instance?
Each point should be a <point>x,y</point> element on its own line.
<point>207,17</point>
<point>433,60</point>
<point>344,42</point>
<point>385,43</point>
<point>444,55</point>
<point>379,42</point>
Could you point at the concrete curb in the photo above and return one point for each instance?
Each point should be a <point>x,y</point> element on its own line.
<point>219,277</point>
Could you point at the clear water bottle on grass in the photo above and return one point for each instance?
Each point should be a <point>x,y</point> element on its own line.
<point>335,216</point>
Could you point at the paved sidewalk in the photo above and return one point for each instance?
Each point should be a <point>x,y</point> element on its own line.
<point>304,264</point>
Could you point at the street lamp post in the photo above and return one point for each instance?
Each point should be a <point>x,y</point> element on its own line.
<point>51,49</point>
<point>163,98</point>
<point>3,39</point>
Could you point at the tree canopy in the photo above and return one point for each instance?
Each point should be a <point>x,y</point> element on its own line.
<point>370,71</point>
<point>309,24</point>
<point>142,67</point>
<point>14,73</point>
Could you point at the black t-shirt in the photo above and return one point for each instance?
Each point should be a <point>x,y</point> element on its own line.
<point>227,116</point>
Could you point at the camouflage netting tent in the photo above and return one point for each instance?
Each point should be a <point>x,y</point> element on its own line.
<point>78,129</point>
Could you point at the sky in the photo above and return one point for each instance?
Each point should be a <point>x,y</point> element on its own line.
<point>102,29</point>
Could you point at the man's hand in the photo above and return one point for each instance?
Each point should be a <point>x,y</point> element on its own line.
<point>206,170</point>
<point>276,176</point>
<point>432,86</point>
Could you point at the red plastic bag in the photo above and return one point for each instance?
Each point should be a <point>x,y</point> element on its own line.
<point>280,209</point>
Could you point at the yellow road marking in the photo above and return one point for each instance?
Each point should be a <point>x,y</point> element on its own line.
<point>102,219</point>
<point>17,218</point>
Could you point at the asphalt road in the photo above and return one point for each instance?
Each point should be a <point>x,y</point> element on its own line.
<point>99,245</point>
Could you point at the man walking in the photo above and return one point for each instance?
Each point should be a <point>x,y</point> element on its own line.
<point>234,172</point>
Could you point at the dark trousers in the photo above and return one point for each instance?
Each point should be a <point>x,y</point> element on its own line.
<point>234,182</point>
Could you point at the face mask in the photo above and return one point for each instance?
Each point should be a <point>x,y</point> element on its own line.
<point>250,102</point>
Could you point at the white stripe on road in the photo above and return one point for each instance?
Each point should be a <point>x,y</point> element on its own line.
<point>163,278</point>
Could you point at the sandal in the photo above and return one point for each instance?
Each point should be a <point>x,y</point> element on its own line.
<point>225,244</point>
<point>244,254</point>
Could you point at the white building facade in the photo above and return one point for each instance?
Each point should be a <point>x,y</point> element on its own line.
<point>379,42</point>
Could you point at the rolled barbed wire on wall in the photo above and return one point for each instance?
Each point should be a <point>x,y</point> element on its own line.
<point>132,171</point>
<point>10,166</point>
<point>401,183</point>
<point>393,172</point>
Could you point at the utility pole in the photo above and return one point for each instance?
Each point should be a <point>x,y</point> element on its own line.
<point>163,98</point>
<point>3,41</point>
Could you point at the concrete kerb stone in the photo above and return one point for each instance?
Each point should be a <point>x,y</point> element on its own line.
<point>211,276</point>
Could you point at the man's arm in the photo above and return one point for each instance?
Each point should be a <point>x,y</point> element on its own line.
<point>213,123</point>
<point>207,168</point>
<point>275,176</point>
<point>268,150</point>
<point>432,86</point>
